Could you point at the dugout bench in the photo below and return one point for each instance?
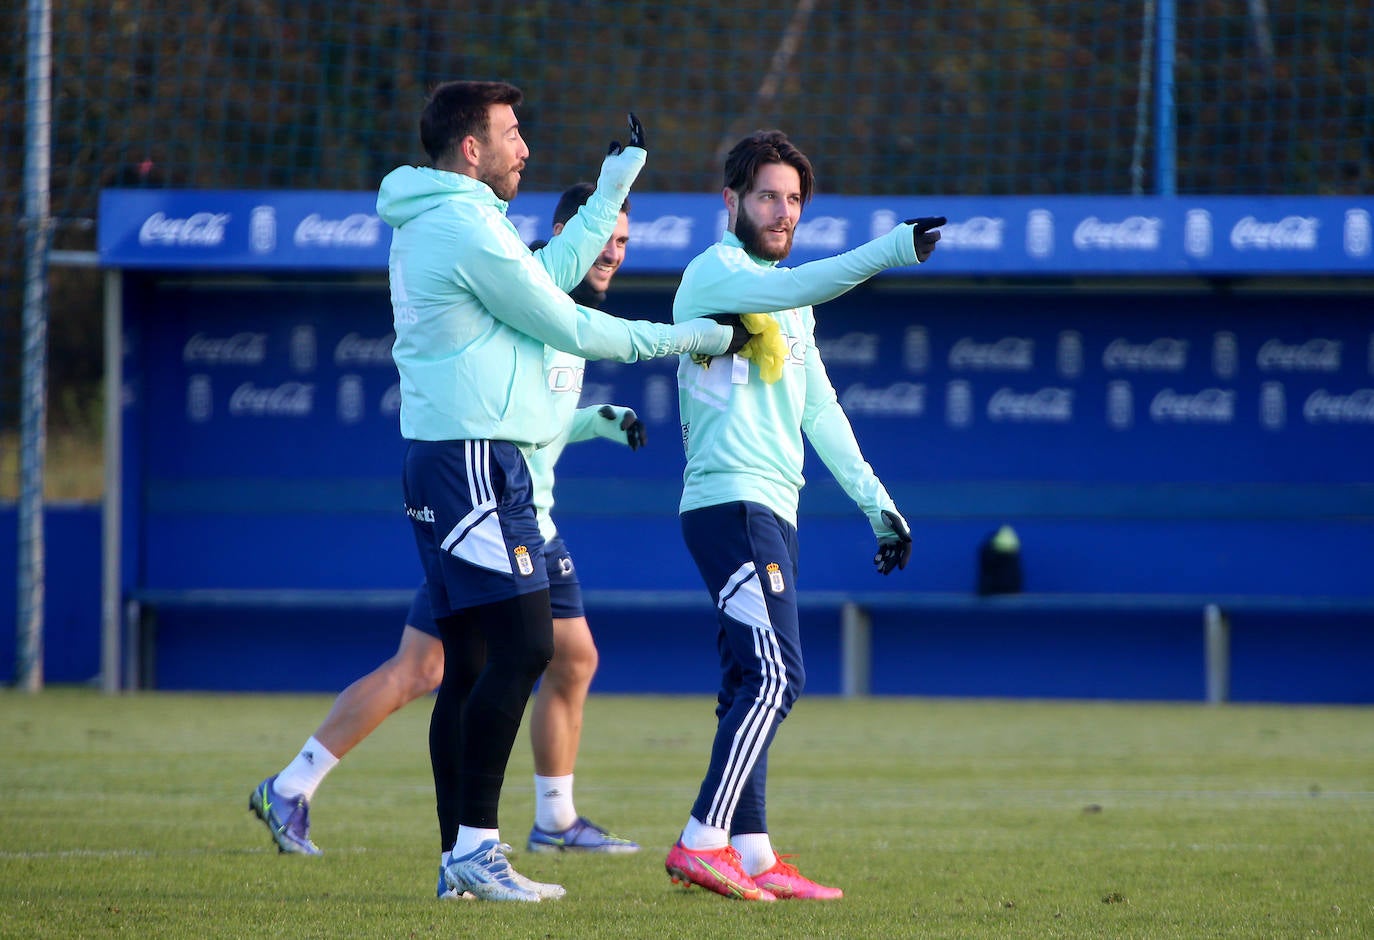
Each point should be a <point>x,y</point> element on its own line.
<point>1215,616</point>
<point>1165,444</point>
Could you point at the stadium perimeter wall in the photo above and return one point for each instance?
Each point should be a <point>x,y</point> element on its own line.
<point>1193,430</point>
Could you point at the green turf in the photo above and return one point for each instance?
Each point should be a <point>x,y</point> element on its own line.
<point>940,818</point>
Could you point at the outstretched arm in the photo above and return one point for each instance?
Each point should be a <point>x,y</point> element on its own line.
<point>727,280</point>
<point>514,287</point>
<point>612,422</point>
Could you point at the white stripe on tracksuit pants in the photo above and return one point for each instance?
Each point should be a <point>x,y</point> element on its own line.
<point>760,650</point>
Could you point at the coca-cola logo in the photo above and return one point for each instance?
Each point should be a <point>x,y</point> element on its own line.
<point>907,399</point>
<point>1133,233</point>
<point>977,233</point>
<point>287,400</point>
<point>1008,354</point>
<point>199,230</point>
<point>358,350</point>
<point>1314,355</point>
<point>390,405</point>
<point>1166,354</point>
<point>1209,406</point>
<point>1043,406</point>
<point>822,233</point>
<point>851,349</point>
<point>665,233</point>
<point>240,349</point>
<point>1323,407</point>
<point>358,230</point>
<point>1291,233</point>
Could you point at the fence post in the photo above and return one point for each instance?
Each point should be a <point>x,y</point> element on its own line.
<point>1217,630</point>
<point>111,530</point>
<point>856,650</point>
<point>1166,138</point>
<point>33,397</point>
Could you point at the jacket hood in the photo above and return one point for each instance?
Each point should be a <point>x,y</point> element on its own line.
<point>409,191</point>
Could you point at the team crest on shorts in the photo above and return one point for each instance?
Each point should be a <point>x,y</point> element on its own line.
<point>774,577</point>
<point>522,560</point>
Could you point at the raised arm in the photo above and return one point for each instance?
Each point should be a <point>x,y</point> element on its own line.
<point>727,280</point>
<point>568,255</point>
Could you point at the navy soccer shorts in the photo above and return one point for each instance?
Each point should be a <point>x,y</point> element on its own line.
<point>420,616</point>
<point>471,507</point>
<point>565,591</point>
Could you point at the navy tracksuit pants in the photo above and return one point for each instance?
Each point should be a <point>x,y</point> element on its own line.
<point>747,555</point>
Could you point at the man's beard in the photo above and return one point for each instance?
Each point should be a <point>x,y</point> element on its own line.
<point>750,235</point>
<point>502,185</point>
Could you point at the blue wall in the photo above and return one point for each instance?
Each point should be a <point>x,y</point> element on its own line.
<point>1166,440</point>
<point>71,601</point>
<point>1146,656</point>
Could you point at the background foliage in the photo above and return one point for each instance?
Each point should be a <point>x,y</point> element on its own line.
<point>947,97</point>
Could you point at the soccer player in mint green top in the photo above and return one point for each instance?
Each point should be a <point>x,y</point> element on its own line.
<point>282,801</point>
<point>743,437</point>
<point>473,311</point>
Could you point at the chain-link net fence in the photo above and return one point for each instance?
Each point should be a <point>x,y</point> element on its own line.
<point>968,97</point>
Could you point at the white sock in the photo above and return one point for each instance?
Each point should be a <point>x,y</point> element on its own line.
<point>553,803</point>
<point>697,835</point>
<point>470,839</point>
<point>755,851</point>
<point>304,774</point>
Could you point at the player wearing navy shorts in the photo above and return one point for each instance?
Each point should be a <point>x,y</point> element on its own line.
<point>473,312</point>
<point>743,419</point>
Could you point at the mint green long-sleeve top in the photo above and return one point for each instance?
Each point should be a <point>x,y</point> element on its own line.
<point>743,437</point>
<point>473,310</point>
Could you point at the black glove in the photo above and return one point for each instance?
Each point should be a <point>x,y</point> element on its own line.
<point>742,334</point>
<point>922,238</point>
<point>636,434</point>
<point>636,137</point>
<point>894,551</point>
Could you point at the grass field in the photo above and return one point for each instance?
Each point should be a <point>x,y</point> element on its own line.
<point>940,818</point>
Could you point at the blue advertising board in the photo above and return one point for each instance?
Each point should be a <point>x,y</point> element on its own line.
<point>280,397</point>
<point>1171,437</point>
<point>985,236</point>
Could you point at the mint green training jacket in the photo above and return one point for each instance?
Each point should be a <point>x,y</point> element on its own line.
<point>473,310</point>
<point>743,437</point>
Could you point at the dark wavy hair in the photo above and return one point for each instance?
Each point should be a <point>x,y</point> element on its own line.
<point>760,149</point>
<point>458,109</point>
